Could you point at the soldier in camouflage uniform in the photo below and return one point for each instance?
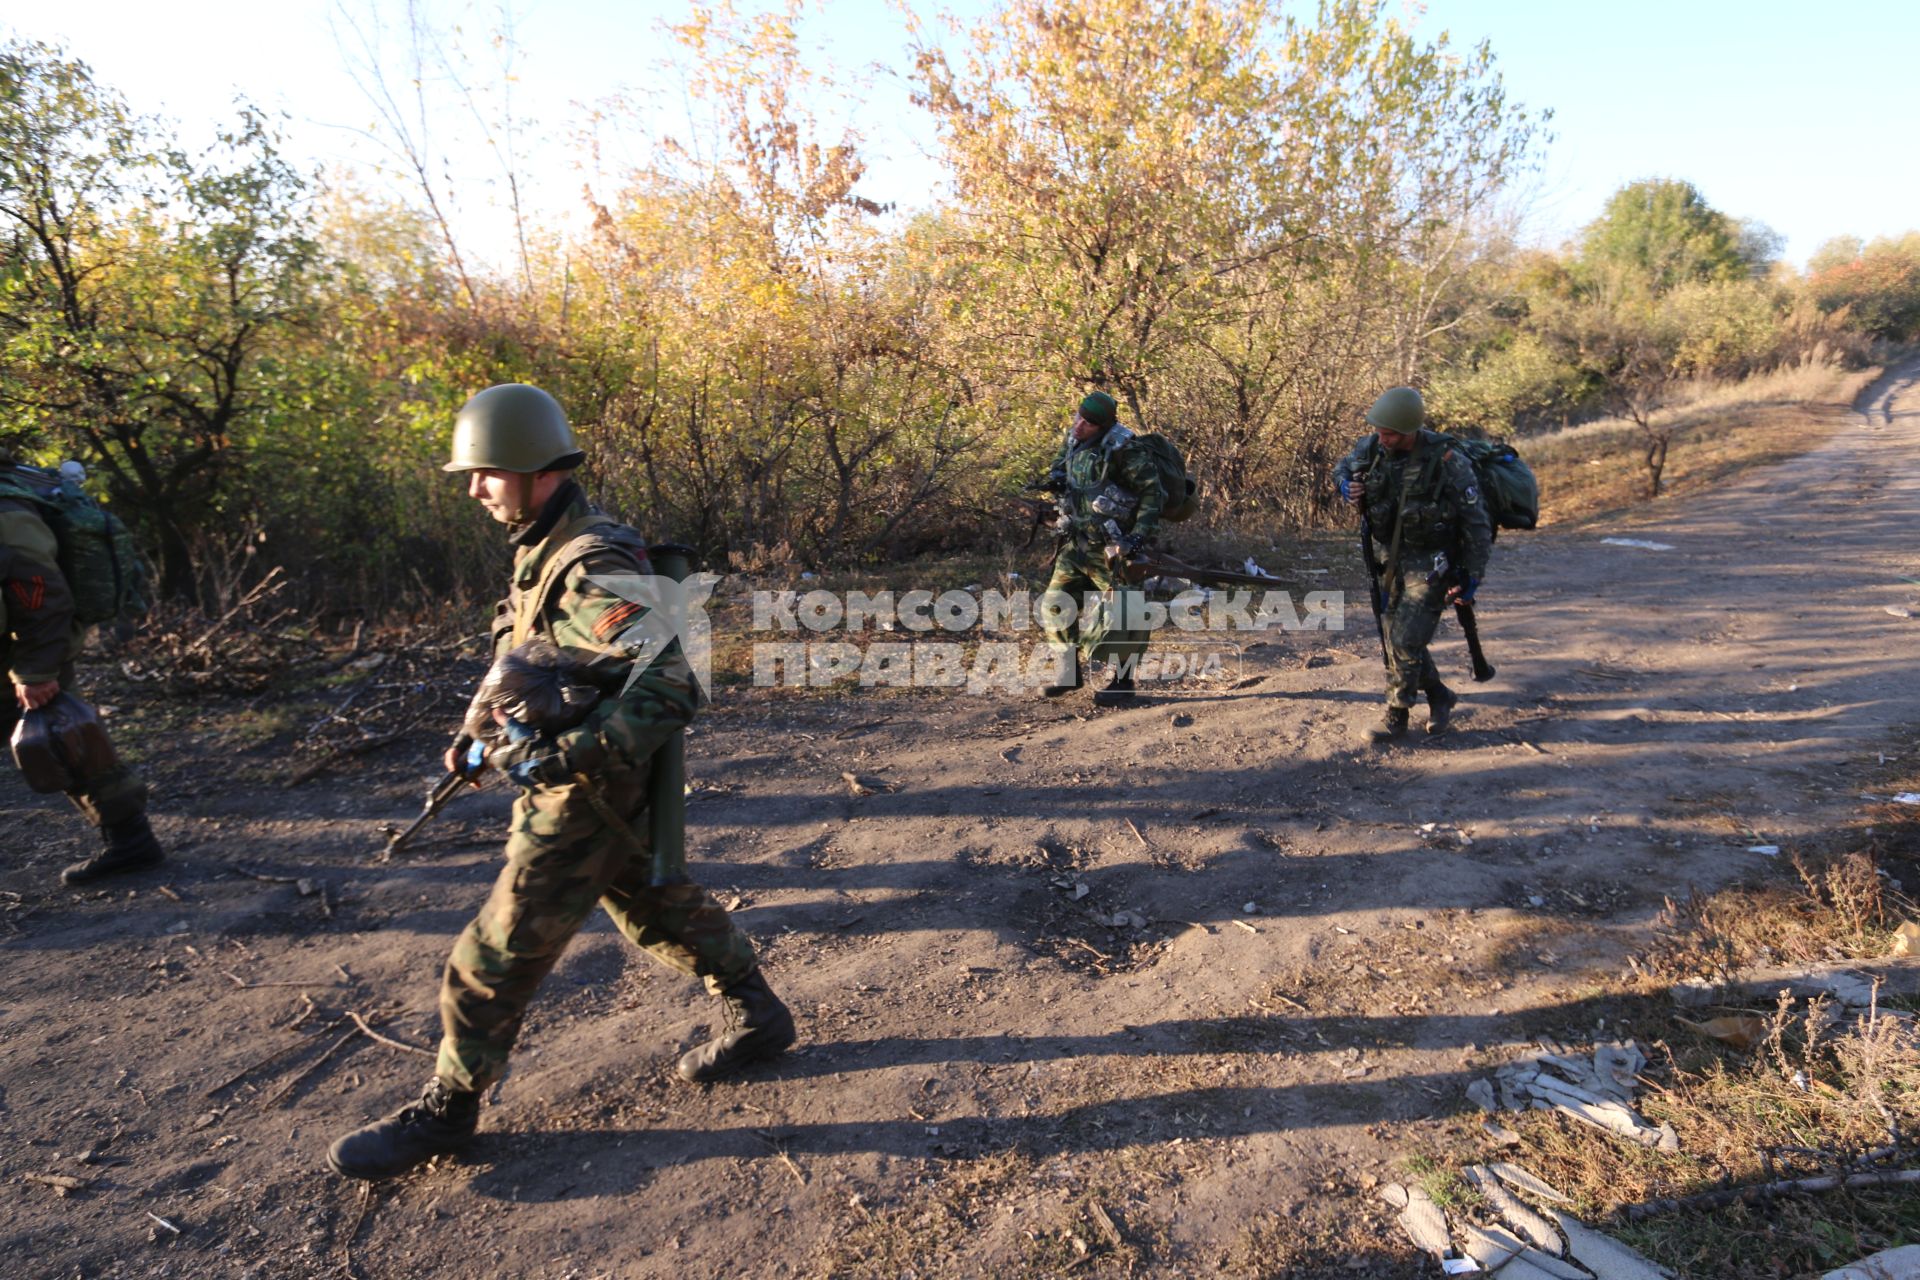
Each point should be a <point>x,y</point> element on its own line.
<point>39,641</point>
<point>566,851</point>
<point>1100,477</point>
<point>1432,534</point>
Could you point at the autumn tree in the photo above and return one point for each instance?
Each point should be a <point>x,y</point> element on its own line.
<point>147,291</point>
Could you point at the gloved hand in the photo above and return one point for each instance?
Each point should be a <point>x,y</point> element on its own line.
<point>530,760</point>
<point>1345,485</point>
<point>1462,591</point>
<point>1132,543</point>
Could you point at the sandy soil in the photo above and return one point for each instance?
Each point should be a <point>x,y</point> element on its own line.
<point>995,1078</point>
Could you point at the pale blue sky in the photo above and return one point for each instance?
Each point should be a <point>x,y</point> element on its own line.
<point>1784,111</point>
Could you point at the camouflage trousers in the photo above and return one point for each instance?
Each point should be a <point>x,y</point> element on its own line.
<point>1104,629</point>
<point>111,798</point>
<point>562,858</point>
<point>1411,624</point>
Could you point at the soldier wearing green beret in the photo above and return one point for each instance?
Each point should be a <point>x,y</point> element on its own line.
<point>577,835</point>
<point>40,638</point>
<point>1432,535</point>
<point>1110,498</point>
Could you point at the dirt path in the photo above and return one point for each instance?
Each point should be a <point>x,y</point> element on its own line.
<point>986,1054</point>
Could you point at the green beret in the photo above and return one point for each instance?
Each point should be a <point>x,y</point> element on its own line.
<point>1100,409</point>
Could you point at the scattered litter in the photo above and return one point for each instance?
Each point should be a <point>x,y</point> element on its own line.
<point>1426,1225</point>
<point>1530,1224</point>
<point>1606,1257</point>
<point>1459,1266</point>
<point>1250,908</point>
<point>1642,543</point>
<point>1841,980</point>
<point>1500,1134</point>
<point>1907,797</point>
<point>1244,925</point>
<point>1906,939</point>
<point>1521,1180</point>
<point>1252,567</point>
<point>1771,850</point>
<point>1899,612</point>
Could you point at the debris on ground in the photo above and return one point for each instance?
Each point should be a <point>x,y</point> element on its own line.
<point>1598,1090</point>
<point>1902,1263</point>
<point>1529,1246</point>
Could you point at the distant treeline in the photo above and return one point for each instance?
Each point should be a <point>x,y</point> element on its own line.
<point>1242,224</point>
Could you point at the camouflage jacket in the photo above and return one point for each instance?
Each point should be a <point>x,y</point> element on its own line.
<point>1444,513</point>
<point>37,632</point>
<point>556,557</point>
<point>1108,479</point>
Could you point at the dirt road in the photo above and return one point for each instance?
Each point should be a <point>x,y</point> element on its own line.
<point>1316,943</point>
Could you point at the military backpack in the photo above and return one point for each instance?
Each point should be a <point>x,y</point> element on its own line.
<point>98,559</point>
<point>1182,493</point>
<point>1507,484</point>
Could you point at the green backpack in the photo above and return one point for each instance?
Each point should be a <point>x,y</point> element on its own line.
<point>1506,483</point>
<point>1182,493</point>
<point>102,567</point>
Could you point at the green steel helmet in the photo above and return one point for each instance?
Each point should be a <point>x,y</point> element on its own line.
<point>1400,410</point>
<point>513,427</point>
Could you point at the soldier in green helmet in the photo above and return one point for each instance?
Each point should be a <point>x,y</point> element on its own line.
<point>1110,498</point>
<point>575,838</point>
<point>40,639</point>
<point>1432,538</point>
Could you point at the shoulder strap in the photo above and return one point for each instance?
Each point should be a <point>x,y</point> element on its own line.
<point>1412,466</point>
<point>586,540</point>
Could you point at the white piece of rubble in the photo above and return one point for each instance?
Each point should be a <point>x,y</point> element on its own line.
<point>1520,1180</point>
<point>1501,1135</point>
<point>1425,1223</point>
<point>1480,1093</point>
<point>1902,1263</point>
<point>1491,1247</point>
<point>1641,543</point>
<point>1395,1195</point>
<point>1535,1228</point>
<point>1606,1257</point>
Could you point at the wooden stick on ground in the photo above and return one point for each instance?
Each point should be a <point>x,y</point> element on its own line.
<point>275,1056</point>
<point>284,1090</point>
<point>373,1035</point>
<point>1766,1191</point>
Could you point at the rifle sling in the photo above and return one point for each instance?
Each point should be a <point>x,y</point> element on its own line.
<point>1400,522</point>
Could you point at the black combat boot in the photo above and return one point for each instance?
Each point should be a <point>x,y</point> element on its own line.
<point>1118,693</point>
<point>1440,700</point>
<point>758,1026</point>
<point>130,846</point>
<point>1068,685</point>
<point>442,1121</point>
<point>1392,725</point>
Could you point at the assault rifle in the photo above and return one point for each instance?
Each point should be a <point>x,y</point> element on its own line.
<point>1376,583</point>
<point>444,790</point>
<point>1445,574</point>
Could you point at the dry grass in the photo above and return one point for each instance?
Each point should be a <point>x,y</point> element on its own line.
<point>1595,469</point>
<point>1818,1091</point>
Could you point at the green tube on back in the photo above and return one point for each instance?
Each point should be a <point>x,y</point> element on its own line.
<point>667,780</point>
